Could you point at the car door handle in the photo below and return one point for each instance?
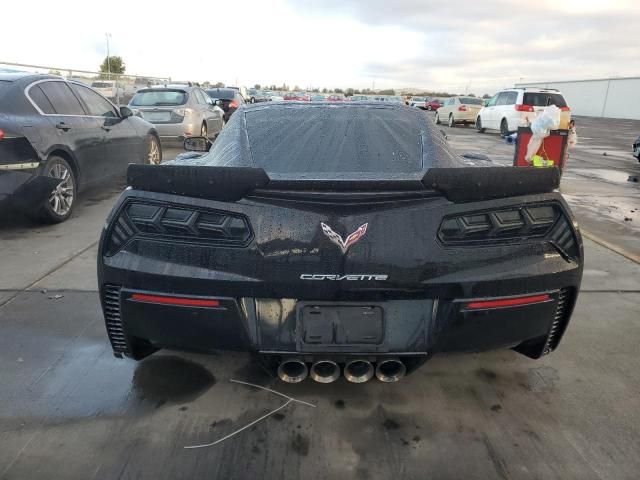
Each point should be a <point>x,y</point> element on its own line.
<point>106,129</point>
<point>63,126</point>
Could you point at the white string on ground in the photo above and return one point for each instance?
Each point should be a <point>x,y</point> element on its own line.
<point>273,391</point>
<point>243,428</point>
<point>289,400</point>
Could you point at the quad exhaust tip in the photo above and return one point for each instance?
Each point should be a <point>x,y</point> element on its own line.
<point>325,371</point>
<point>358,371</point>
<point>293,371</point>
<point>390,370</point>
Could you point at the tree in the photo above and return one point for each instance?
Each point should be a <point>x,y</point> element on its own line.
<point>257,86</point>
<point>389,91</point>
<point>115,62</point>
<point>218,85</point>
<point>324,90</point>
<point>486,95</point>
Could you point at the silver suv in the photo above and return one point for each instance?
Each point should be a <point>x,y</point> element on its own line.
<point>178,112</point>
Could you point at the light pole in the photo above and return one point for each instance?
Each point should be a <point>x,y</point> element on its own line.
<point>108,61</point>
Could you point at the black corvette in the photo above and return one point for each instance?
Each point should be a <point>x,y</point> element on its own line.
<point>337,238</point>
<point>58,137</point>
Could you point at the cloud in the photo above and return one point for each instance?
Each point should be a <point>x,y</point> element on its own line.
<point>454,46</point>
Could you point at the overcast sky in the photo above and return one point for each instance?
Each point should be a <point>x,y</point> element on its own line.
<point>440,45</point>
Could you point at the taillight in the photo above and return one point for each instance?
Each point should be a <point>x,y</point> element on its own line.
<point>1,134</point>
<point>565,109</point>
<point>180,301</point>
<point>524,108</point>
<point>462,108</point>
<point>507,302</point>
<point>233,104</point>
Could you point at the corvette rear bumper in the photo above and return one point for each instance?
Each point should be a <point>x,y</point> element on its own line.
<point>139,322</point>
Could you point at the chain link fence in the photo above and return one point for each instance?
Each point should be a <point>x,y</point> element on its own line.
<point>117,88</point>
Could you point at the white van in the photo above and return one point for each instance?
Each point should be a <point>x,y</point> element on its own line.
<point>517,107</point>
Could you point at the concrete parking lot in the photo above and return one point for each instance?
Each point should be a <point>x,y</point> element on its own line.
<point>69,410</point>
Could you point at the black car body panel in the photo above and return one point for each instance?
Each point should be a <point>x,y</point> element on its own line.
<point>230,99</point>
<point>222,252</point>
<point>97,147</point>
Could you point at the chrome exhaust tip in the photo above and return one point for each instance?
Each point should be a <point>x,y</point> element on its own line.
<point>293,371</point>
<point>325,371</point>
<point>390,370</point>
<point>358,371</point>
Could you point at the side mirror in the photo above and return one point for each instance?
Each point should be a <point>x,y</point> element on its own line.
<point>218,103</point>
<point>125,112</point>
<point>196,144</point>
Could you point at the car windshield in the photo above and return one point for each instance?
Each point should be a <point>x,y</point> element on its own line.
<point>222,93</point>
<point>156,98</point>
<point>371,140</point>
<point>543,99</point>
<point>471,100</point>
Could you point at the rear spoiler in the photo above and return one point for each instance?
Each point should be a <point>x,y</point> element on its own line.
<point>233,183</point>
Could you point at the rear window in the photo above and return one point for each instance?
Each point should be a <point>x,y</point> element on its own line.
<point>471,100</point>
<point>222,94</point>
<point>358,139</point>
<point>4,86</point>
<point>157,98</point>
<point>543,99</point>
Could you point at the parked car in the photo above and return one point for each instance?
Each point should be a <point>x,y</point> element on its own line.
<point>297,96</point>
<point>433,104</point>
<point>243,92</point>
<point>268,248</point>
<point>58,137</point>
<point>636,149</point>
<point>517,107</point>
<point>358,98</point>
<point>336,98</point>
<point>108,88</point>
<point>256,96</point>
<point>318,98</point>
<point>459,110</point>
<point>178,112</point>
<point>275,97</point>
<point>230,100</point>
<point>419,102</point>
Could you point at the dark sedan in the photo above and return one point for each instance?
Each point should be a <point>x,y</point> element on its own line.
<point>230,100</point>
<point>58,137</point>
<point>337,239</point>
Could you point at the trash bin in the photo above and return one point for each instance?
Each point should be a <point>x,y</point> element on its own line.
<point>553,148</point>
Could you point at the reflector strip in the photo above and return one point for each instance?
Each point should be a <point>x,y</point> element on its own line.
<point>507,302</point>
<point>186,302</point>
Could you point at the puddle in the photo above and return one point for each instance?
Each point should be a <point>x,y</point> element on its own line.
<point>170,379</point>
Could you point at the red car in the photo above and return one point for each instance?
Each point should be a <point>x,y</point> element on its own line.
<point>336,98</point>
<point>297,96</point>
<point>433,104</point>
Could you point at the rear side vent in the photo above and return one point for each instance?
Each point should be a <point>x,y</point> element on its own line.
<point>111,305</point>
<point>560,320</point>
<point>563,238</point>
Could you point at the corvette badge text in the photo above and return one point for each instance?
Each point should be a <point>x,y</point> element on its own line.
<point>351,278</point>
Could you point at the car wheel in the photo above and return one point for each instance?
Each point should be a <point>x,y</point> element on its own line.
<point>479,125</point>
<point>452,122</point>
<point>504,128</point>
<point>203,130</point>
<point>437,119</point>
<point>58,207</point>
<point>253,100</point>
<point>154,151</point>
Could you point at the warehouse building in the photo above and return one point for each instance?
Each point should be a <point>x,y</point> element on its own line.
<point>605,97</point>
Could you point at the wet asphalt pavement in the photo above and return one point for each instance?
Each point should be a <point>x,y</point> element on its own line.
<point>69,410</point>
